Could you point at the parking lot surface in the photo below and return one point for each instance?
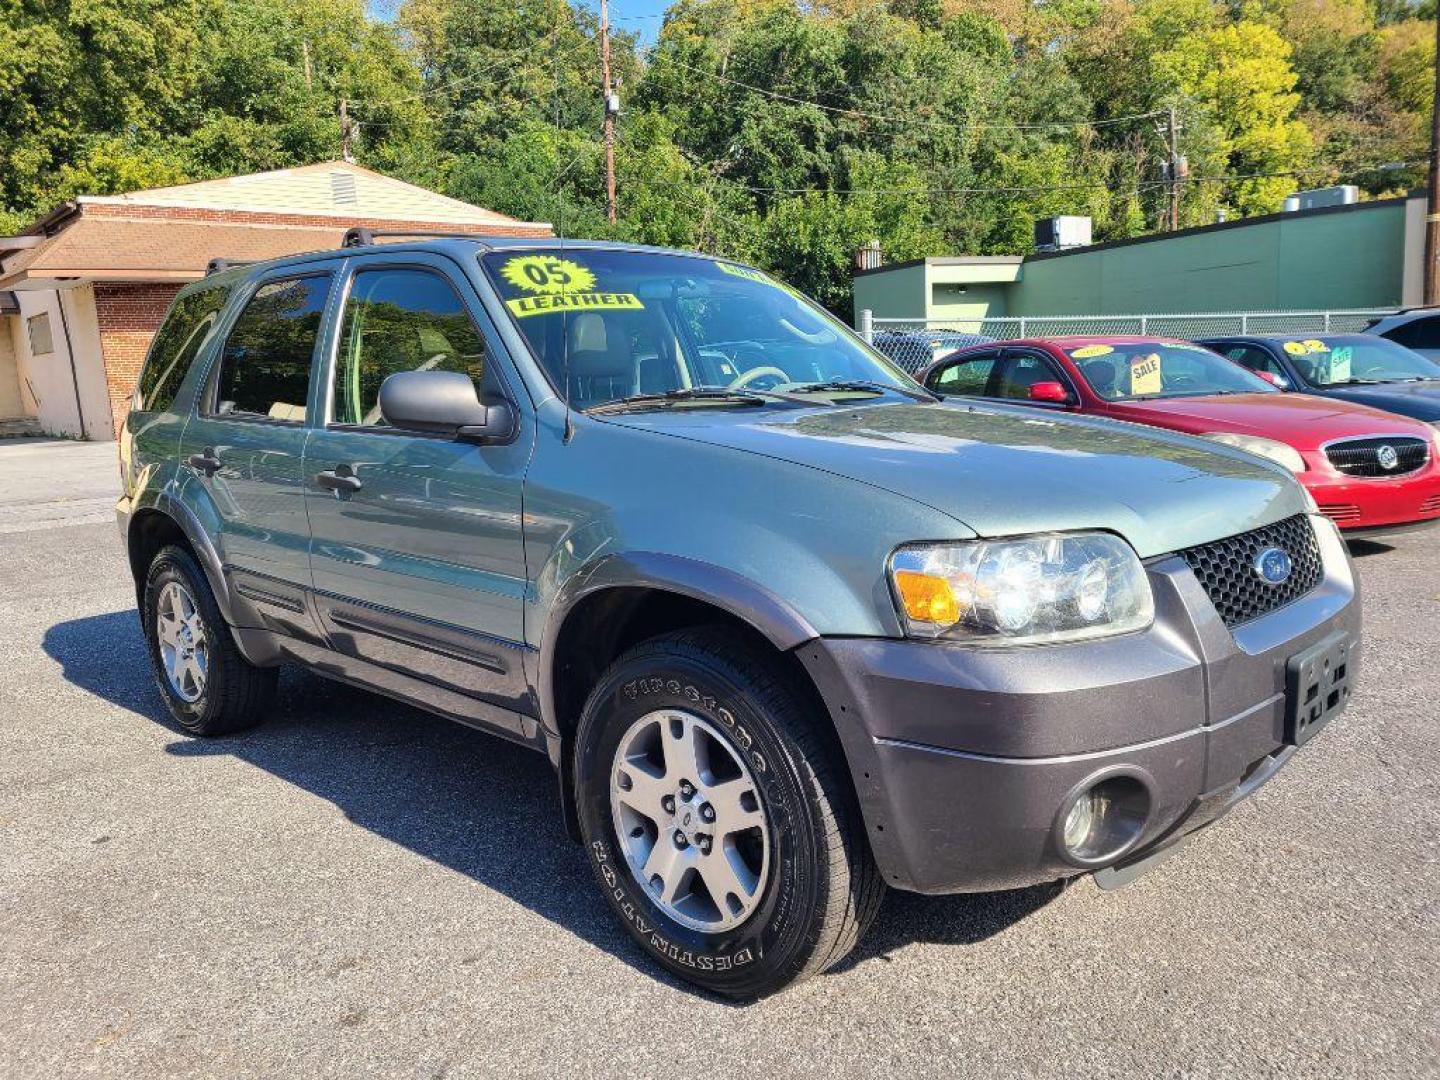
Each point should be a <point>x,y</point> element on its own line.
<point>357,888</point>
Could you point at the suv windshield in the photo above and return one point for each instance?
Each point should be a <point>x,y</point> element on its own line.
<point>1146,370</point>
<point>658,328</point>
<point>1346,359</point>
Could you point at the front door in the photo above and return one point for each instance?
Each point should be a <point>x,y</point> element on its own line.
<point>416,551</point>
<point>242,451</point>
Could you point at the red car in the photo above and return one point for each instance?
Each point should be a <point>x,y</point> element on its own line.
<point>1367,470</point>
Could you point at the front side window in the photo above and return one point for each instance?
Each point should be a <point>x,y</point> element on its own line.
<point>969,377</point>
<point>607,325</point>
<point>186,328</point>
<point>265,368</point>
<point>1019,373</point>
<point>1135,371</point>
<point>400,320</point>
<point>1349,359</point>
<point>1255,359</point>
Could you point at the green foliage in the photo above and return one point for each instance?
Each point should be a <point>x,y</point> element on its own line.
<point>784,134</point>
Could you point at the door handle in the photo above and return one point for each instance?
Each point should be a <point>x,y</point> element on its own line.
<point>205,461</point>
<point>341,480</point>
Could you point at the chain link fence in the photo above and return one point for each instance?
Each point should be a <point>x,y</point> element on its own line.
<point>914,343</point>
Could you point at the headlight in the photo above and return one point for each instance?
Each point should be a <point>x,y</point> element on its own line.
<point>1059,587</point>
<point>1279,452</point>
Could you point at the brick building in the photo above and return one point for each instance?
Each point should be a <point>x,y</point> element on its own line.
<point>83,290</point>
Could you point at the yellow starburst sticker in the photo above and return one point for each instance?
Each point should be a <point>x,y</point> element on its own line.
<point>547,275</point>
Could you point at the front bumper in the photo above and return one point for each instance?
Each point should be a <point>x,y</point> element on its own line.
<point>1359,505</point>
<point>965,758</point>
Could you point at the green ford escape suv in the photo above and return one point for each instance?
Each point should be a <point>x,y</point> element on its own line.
<point>789,629</point>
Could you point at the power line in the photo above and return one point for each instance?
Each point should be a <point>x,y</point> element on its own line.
<point>846,111</point>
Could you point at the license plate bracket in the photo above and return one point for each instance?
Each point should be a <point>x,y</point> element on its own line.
<point>1317,687</point>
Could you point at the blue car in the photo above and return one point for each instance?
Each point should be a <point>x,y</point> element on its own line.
<point>1363,368</point>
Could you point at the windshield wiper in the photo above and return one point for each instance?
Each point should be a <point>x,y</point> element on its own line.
<point>744,396</point>
<point>862,385</point>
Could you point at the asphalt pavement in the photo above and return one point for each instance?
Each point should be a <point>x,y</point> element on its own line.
<point>360,889</point>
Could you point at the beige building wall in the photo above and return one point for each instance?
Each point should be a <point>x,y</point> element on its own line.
<point>50,376</point>
<point>12,405</point>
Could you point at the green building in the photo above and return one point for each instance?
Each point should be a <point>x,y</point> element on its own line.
<point>1364,255</point>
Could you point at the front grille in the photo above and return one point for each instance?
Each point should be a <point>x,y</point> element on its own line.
<point>1430,505</point>
<point>1226,569</point>
<point>1362,457</point>
<point>1341,513</point>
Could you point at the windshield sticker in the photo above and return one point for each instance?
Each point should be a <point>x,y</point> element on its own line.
<point>1315,346</point>
<point>1340,365</point>
<point>1088,351</point>
<point>525,306</point>
<point>1304,348</point>
<point>547,274</point>
<point>755,276</point>
<point>559,285</point>
<point>1145,375</point>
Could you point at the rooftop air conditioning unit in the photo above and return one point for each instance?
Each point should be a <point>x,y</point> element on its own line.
<point>1340,195</point>
<point>1060,233</point>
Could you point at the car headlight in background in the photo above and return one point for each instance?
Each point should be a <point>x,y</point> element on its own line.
<point>1279,452</point>
<point>1059,587</point>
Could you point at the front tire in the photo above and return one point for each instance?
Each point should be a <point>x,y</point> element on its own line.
<point>717,813</point>
<point>209,688</point>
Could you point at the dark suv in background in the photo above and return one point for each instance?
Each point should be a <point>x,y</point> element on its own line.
<point>789,627</point>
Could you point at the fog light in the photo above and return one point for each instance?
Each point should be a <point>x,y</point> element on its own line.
<point>1104,818</point>
<point>1080,821</point>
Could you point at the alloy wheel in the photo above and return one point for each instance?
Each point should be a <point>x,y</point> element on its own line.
<point>689,818</point>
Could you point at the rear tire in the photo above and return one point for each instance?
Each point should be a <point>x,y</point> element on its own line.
<point>798,886</point>
<point>209,688</point>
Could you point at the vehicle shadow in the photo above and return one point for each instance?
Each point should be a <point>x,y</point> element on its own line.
<point>1361,548</point>
<point>475,804</point>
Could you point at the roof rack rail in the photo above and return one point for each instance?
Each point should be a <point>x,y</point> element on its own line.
<point>219,266</point>
<point>359,236</point>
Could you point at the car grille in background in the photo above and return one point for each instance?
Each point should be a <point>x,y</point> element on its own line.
<point>1341,513</point>
<point>1361,457</point>
<point>1226,569</point>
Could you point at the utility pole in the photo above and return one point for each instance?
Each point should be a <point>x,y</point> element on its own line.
<point>612,106</point>
<point>347,132</point>
<point>1172,139</point>
<point>1432,202</point>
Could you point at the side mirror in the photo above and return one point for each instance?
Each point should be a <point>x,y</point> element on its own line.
<point>1050,391</point>
<point>444,403</point>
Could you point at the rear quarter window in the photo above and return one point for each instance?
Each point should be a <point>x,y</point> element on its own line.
<point>188,326</point>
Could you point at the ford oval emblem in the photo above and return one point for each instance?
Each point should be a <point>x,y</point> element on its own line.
<point>1273,566</point>
<point>1387,457</point>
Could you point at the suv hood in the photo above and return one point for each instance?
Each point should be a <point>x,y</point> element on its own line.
<point>1009,470</point>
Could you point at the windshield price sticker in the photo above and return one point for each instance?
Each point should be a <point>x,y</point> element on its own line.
<point>1340,364</point>
<point>1145,374</point>
<point>1087,351</point>
<point>525,306</point>
<point>1303,348</point>
<point>559,285</point>
<point>757,277</point>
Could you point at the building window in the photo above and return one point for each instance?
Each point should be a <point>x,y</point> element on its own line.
<point>40,339</point>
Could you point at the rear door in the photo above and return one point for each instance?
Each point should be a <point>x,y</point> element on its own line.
<point>243,448</point>
<point>416,557</point>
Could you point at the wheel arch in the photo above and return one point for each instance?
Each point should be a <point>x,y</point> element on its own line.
<point>623,599</point>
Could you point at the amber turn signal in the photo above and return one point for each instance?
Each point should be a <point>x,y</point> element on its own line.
<point>926,598</point>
